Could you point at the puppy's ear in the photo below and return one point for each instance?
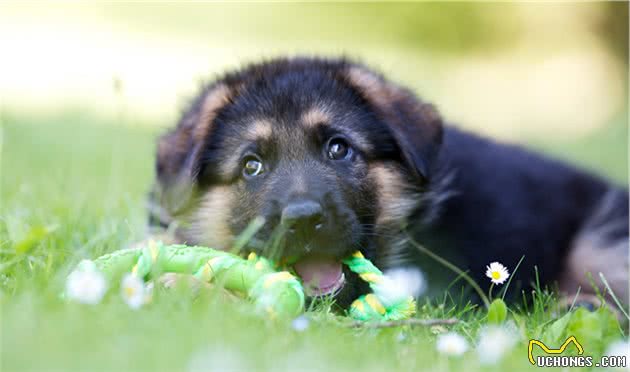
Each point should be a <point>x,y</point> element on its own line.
<point>416,126</point>
<point>178,151</point>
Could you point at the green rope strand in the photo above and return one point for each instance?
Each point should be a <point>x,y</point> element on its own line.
<point>370,306</point>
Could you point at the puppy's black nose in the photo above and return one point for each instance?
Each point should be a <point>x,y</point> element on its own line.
<point>302,217</point>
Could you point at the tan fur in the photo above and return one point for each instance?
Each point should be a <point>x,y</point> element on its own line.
<point>383,94</point>
<point>318,116</point>
<point>590,254</point>
<point>259,130</point>
<point>177,150</point>
<point>215,100</point>
<point>256,131</point>
<point>395,200</point>
<point>233,161</point>
<point>376,90</point>
<point>208,224</point>
<point>315,116</point>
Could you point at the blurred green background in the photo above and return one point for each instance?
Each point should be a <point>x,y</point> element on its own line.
<point>86,88</point>
<point>553,75</point>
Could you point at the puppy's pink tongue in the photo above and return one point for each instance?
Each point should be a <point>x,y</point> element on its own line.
<point>321,275</point>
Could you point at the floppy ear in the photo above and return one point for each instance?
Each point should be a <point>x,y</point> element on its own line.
<point>416,126</point>
<point>178,151</point>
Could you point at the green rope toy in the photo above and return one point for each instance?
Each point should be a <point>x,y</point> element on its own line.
<point>279,293</point>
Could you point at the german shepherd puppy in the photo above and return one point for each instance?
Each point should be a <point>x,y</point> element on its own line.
<point>333,158</point>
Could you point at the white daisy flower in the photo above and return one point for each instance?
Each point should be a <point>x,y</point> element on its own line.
<point>86,284</point>
<point>451,344</point>
<point>497,273</point>
<point>494,343</point>
<point>133,291</point>
<point>300,323</point>
<point>398,284</point>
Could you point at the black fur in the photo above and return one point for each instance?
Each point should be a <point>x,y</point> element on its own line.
<point>507,203</point>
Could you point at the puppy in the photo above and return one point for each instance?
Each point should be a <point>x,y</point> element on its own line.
<point>332,157</point>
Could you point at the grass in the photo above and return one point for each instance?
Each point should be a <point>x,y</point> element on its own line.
<point>73,187</point>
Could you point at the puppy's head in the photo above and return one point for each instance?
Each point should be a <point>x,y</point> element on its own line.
<point>328,153</point>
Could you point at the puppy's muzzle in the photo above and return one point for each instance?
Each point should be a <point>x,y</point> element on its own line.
<point>303,218</point>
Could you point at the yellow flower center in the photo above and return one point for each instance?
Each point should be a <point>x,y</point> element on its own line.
<point>496,275</point>
<point>130,291</point>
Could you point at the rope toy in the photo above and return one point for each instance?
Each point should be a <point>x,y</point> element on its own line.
<point>372,306</point>
<point>278,293</point>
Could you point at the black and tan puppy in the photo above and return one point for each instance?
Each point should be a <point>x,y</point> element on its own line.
<point>334,158</point>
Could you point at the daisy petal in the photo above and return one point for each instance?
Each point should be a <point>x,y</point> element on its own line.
<point>86,284</point>
<point>133,291</point>
<point>451,344</point>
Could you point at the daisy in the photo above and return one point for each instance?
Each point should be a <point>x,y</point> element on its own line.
<point>497,273</point>
<point>398,284</point>
<point>86,284</point>
<point>133,291</point>
<point>451,344</point>
<point>494,343</point>
<point>300,323</point>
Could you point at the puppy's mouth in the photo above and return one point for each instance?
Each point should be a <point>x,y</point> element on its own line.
<point>321,275</point>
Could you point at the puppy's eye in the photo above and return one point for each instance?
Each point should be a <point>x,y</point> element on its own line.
<point>252,166</point>
<point>338,149</point>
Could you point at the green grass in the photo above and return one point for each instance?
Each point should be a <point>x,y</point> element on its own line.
<point>73,187</point>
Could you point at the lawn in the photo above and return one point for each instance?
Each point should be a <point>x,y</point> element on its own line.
<point>73,187</point>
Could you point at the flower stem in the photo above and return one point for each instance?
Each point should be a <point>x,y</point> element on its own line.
<point>453,268</point>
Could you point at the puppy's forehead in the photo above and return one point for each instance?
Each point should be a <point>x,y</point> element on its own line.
<point>289,111</point>
<point>296,129</point>
<point>292,97</point>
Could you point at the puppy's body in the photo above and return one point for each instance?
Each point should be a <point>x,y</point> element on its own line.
<point>335,158</point>
<point>506,203</point>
